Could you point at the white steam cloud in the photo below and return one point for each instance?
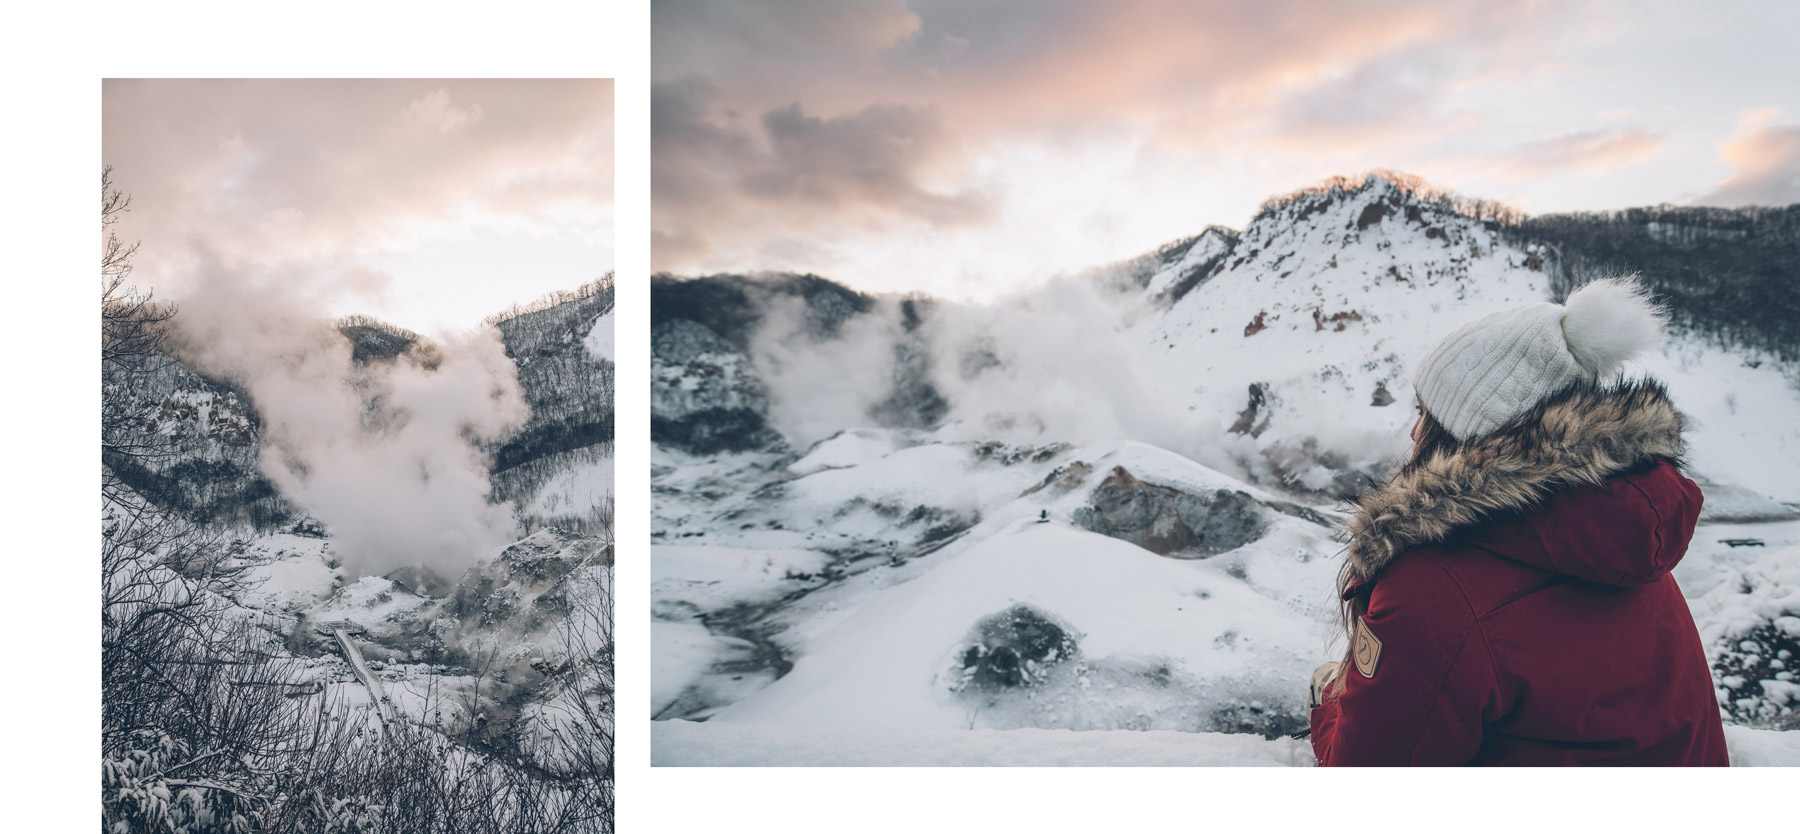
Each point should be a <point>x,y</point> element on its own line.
<point>384,455</point>
<point>1051,365</point>
<point>1064,371</point>
<point>817,388</point>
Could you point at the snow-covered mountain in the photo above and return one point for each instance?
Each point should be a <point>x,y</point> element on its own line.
<point>1109,503</point>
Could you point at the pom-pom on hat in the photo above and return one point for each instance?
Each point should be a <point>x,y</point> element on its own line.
<point>1498,367</point>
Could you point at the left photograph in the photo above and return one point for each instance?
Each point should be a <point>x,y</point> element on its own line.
<point>357,455</point>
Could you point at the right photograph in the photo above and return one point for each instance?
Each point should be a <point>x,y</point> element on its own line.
<point>1160,383</point>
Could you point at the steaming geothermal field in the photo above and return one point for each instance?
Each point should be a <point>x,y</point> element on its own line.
<point>423,530</point>
<point>1095,524</point>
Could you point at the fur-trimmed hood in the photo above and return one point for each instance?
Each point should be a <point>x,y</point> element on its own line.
<point>1583,436</point>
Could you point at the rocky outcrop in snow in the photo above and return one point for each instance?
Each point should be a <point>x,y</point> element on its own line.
<point>1168,521</point>
<point>704,393</point>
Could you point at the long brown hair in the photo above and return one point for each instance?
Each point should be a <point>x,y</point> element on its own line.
<point>1434,441</point>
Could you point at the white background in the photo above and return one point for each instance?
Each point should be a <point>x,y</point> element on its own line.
<point>55,58</point>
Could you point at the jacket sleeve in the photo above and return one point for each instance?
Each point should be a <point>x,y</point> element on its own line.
<point>1432,687</point>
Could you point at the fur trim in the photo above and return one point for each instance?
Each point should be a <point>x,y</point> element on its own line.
<point>1583,435</point>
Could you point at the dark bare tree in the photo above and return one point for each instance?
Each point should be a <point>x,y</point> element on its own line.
<point>133,336</point>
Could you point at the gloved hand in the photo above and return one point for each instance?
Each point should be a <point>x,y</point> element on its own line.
<point>1321,678</point>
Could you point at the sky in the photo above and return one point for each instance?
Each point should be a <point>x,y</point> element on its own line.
<point>968,149</point>
<point>427,203</point>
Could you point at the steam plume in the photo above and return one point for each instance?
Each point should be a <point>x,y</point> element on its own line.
<point>384,454</point>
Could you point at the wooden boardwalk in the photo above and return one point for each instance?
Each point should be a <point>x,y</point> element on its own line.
<point>383,707</point>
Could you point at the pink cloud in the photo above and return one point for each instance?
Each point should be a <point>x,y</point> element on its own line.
<point>1765,162</point>
<point>290,171</point>
<point>1592,152</point>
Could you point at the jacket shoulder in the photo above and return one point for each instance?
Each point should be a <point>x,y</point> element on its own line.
<point>1460,575</point>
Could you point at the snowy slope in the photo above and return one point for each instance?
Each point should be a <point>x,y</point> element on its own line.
<point>1325,305</point>
<point>1142,623</point>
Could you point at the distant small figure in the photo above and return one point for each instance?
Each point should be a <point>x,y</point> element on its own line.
<point>1043,516</point>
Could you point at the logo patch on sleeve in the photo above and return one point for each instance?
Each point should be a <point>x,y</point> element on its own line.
<point>1367,649</point>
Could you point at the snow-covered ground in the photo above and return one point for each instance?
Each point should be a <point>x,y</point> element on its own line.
<point>887,596</point>
<point>781,745</point>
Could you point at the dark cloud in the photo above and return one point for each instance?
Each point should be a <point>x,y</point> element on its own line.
<point>713,170</point>
<point>872,157</point>
<point>707,37</point>
<point>1765,162</point>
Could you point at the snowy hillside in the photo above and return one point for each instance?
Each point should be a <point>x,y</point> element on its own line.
<point>1108,504</point>
<point>207,441</point>
<point>558,468</point>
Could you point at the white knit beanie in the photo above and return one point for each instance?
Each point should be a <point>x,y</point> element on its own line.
<point>1498,367</point>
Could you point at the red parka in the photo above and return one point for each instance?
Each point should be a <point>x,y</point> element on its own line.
<point>1549,636</point>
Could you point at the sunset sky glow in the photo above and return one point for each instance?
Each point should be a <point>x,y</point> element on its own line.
<point>429,203</point>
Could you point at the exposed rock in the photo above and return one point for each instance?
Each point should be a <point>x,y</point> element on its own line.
<point>1302,512</point>
<point>1064,478</point>
<point>1372,214</point>
<point>1305,467</point>
<point>1015,648</point>
<point>1760,675</point>
<point>1165,520</point>
<point>1254,419</point>
<point>1257,325</point>
<point>1338,321</point>
<point>523,590</point>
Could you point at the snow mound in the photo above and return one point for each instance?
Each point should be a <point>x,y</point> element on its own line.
<point>850,447</point>
<point>1189,642</point>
